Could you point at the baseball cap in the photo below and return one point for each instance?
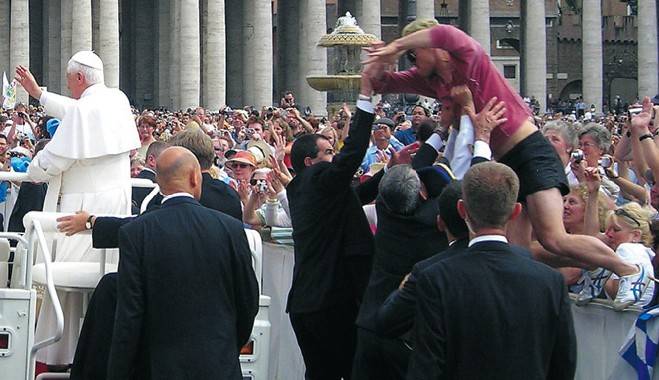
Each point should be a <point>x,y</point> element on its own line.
<point>386,121</point>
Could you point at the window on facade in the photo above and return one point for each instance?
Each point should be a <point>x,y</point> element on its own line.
<point>503,44</point>
<point>509,71</point>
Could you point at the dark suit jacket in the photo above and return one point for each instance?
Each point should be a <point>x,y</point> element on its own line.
<point>30,198</point>
<point>139,193</point>
<point>489,313</point>
<point>215,195</point>
<point>333,241</point>
<point>396,315</point>
<point>187,295</point>
<point>400,242</point>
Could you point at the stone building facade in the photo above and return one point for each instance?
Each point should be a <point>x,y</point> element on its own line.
<point>181,53</point>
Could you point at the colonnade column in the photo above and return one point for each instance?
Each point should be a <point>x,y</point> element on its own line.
<point>19,41</point>
<point>648,68</point>
<point>190,73</point>
<point>425,9</point>
<point>5,31</point>
<point>592,63</point>
<point>371,18</point>
<point>479,22</point>
<point>313,61</point>
<point>535,53</point>
<point>214,81</point>
<point>81,25</point>
<point>163,53</point>
<point>174,50</point>
<point>257,53</point>
<point>54,59</point>
<point>109,41</point>
<point>65,33</point>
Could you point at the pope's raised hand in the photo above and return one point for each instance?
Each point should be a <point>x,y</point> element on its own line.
<point>27,81</point>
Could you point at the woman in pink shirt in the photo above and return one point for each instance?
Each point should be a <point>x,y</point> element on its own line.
<point>444,57</point>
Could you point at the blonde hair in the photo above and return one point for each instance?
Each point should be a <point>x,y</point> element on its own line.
<point>419,24</point>
<point>330,131</point>
<point>603,208</point>
<point>638,213</point>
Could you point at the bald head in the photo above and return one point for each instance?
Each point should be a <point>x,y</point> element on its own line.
<point>178,171</point>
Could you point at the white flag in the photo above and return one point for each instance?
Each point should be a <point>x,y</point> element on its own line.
<point>8,93</point>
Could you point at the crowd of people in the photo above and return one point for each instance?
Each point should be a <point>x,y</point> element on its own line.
<point>403,224</point>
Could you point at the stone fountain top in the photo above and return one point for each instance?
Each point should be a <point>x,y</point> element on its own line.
<point>347,33</point>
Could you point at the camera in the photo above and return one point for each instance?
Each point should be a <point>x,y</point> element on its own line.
<point>577,155</point>
<point>261,186</point>
<point>605,162</point>
<point>633,111</point>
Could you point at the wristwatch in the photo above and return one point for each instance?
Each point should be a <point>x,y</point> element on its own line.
<point>88,223</point>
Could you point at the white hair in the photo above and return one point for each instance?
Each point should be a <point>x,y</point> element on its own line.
<point>92,75</point>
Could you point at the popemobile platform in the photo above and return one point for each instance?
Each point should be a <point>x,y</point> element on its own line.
<point>33,267</point>
<point>604,336</point>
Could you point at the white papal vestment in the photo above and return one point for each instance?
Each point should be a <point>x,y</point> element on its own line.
<point>87,166</point>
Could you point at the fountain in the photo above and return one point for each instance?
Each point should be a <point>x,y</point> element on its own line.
<point>345,44</point>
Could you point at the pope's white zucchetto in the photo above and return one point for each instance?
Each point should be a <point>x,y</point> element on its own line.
<point>89,59</point>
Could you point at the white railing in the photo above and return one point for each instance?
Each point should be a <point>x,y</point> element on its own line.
<point>35,231</point>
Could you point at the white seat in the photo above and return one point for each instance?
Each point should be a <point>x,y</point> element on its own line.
<point>254,362</point>
<point>72,275</point>
<point>5,249</point>
<point>256,247</point>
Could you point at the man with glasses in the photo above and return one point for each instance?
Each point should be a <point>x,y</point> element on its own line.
<point>445,57</point>
<point>383,144</point>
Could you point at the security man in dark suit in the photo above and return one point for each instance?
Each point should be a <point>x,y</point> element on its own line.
<point>407,233</point>
<point>187,292</point>
<point>333,245</point>
<point>396,315</point>
<point>149,172</point>
<point>93,349</point>
<point>490,313</point>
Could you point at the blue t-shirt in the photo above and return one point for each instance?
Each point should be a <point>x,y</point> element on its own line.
<point>406,137</point>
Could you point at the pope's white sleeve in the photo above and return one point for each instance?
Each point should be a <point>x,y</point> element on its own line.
<point>462,152</point>
<point>56,105</point>
<point>46,165</point>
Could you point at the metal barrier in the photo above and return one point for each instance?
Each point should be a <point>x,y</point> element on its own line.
<point>601,331</point>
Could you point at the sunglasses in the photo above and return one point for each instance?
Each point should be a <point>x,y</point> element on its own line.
<point>240,165</point>
<point>411,56</point>
<point>623,213</point>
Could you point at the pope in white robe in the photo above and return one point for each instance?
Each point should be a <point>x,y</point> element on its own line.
<point>87,167</point>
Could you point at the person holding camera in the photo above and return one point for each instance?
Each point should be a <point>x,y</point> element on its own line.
<point>594,142</point>
<point>288,101</point>
<point>267,204</point>
<point>22,122</point>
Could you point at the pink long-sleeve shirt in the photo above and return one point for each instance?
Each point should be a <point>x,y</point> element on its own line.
<point>473,68</point>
